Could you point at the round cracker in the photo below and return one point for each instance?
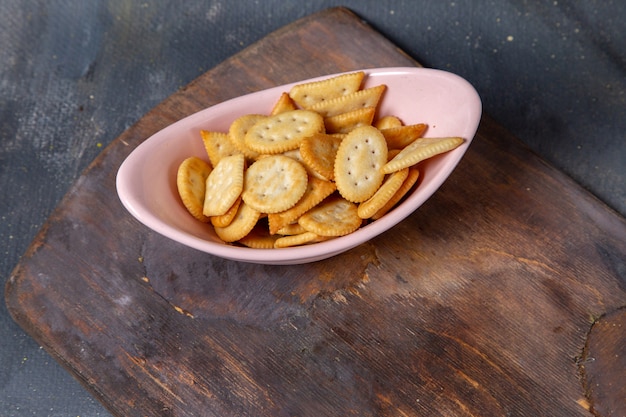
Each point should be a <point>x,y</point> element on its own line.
<point>274,184</point>
<point>335,216</point>
<point>317,190</point>
<point>191,183</point>
<point>238,130</point>
<point>358,163</point>
<point>244,221</point>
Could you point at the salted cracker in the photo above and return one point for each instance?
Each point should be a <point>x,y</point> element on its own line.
<point>191,184</point>
<point>419,150</point>
<point>274,184</point>
<point>358,163</point>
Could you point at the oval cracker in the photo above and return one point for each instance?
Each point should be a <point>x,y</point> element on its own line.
<point>358,163</point>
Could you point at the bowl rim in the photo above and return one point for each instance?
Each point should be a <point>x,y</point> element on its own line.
<point>305,253</point>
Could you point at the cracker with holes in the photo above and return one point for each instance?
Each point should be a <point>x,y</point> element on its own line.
<point>419,150</point>
<point>334,217</point>
<point>368,97</point>
<point>358,163</point>
<point>224,185</point>
<point>238,130</point>
<point>345,122</point>
<point>308,94</point>
<point>217,145</point>
<point>274,184</point>
<point>318,153</point>
<point>283,132</point>
<point>401,136</point>
<point>191,184</point>
<point>316,191</point>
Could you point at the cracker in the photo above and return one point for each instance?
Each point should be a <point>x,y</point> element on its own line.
<point>335,216</point>
<point>387,122</point>
<point>318,153</point>
<point>298,240</point>
<point>226,218</point>
<point>283,132</point>
<point>290,229</point>
<point>358,163</point>
<point>238,130</point>
<point>408,183</point>
<point>307,94</point>
<point>224,185</point>
<point>316,191</point>
<point>386,191</point>
<point>217,145</point>
<point>274,184</point>
<point>190,182</point>
<point>258,238</point>
<point>368,97</point>
<point>401,136</point>
<point>419,150</point>
<point>345,122</point>
<point>244,221</point>
<point>284,104</point>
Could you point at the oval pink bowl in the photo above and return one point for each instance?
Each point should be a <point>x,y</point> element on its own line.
<point>146,180</point>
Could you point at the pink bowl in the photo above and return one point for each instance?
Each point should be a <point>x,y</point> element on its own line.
<point>146,180</point>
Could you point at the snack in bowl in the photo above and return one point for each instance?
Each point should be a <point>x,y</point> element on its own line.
<point>410,104</point>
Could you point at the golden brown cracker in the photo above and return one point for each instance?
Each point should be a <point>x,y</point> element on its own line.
<point>368,97</point>
<point>318,153</point>
<point>335,216</point>
<point>191,183</point>
<point>244,221</point>
<point>358,163</point>
<point>238,130</point>
<point>307,94</point>
<point>401,136</point>
<point>384,193</point>
<point>283,132</point>
<point>317,190</point>
<point>408,183</point>
<point>346,122</point>
<point>419,150</point>
<point>217,145</point>
<point>274,184</point>
<point>387,122</point>
<point>226,218</point>
<point>284,104</point>
<point>224,185</point>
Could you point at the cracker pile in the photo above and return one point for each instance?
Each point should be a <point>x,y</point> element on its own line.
<point>320,165</point>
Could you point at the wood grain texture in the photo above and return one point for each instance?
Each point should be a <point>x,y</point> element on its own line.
<point>478,304</point>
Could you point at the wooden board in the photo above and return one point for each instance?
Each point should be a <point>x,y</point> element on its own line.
<point>480,303</point>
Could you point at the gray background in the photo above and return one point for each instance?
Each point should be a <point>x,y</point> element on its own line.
<point>75,74</point>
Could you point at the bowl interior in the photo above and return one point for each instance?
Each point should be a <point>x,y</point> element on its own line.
<point>146,180</point>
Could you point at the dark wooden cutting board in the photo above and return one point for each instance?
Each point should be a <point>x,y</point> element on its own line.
<point>503,295</point>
